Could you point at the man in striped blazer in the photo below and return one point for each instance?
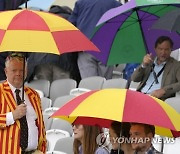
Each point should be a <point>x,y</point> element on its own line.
<point>11,112</point>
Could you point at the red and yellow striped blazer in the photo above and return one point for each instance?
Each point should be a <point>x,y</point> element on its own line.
<point>10,135</point>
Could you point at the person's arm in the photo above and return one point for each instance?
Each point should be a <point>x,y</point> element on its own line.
<point>172,83</point>
<point>9,118</point>
<point>41,127</point>
<point>6,119</point>
<point>74,16</point>
<point>174,87</point>
<point>140,72</point>
<point>3,121</point>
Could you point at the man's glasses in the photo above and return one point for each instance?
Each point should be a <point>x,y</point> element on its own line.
<point>20,55</point>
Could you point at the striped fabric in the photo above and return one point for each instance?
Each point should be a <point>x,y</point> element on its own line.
<point>10,135</point>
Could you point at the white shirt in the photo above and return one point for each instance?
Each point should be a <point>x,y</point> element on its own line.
<point>150,83</point>
<point>31,120</point>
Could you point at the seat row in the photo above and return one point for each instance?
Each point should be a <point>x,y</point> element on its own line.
<point>63,87</point>
<point>61,91</point>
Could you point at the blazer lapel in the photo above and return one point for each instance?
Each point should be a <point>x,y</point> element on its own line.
<point>31,97</point>
<point>166,71</point>
<point>8,95</point>
<point>9,98</point>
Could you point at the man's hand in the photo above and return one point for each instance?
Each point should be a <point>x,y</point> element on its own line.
<point>147,59</point>
<point>20,111</point>
<point>158,93</point>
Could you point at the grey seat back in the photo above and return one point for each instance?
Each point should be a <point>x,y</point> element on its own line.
<point>61,87</point>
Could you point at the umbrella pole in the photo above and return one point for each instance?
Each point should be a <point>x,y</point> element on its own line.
<point>24,63</point>
<point>26,4</point>
<point>162,145</point>
<point>120,135</point>
<point>154,73</point>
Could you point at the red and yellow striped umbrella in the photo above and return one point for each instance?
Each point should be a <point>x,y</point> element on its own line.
<point>36,31</point>
<point>100,107</point>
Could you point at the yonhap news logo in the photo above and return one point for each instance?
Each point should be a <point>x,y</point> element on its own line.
<point>103,139</point>
<point>165,140</point>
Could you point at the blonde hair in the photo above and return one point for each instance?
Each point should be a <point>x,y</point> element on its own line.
<point>16,57</point>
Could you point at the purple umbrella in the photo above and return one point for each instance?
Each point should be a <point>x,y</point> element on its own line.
<point>124,34</point>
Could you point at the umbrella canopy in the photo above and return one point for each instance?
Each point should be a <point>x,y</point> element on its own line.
<point>124,34</point>
<point>170,21</point>
<point>36,31</point>
<point>100,107</point>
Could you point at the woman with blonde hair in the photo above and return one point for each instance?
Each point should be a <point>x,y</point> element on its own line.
<point>85,140</point>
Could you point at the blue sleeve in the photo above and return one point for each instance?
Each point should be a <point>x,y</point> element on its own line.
<point>117,3</point>
<point>73,17</point>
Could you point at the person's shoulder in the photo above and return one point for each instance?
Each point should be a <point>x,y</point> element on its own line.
<point>31,90</point>
<point>173,62</point>
<point>101,150</point>
<point>172,59</point>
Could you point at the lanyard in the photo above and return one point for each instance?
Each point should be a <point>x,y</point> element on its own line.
<point>155,77</point>
<point>159,73</point>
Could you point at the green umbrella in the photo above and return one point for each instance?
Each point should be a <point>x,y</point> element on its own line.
<point>124,34</point>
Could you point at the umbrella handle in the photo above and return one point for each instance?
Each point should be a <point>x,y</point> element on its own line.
<point>24,67</point>
<point>162,145</point>
<point>26,4</point>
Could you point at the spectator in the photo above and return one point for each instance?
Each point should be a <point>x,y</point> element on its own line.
<point>85,16</point>
<point>116,131</point>
<point>85,140</point>
<point>144,133</point>
<point>21,122</point>
<point>159,77</point>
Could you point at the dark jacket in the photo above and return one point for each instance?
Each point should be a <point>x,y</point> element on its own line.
<point>116,152</point>
<point>3,56</point>
<point>87,13</point>
<point>13,4</point>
